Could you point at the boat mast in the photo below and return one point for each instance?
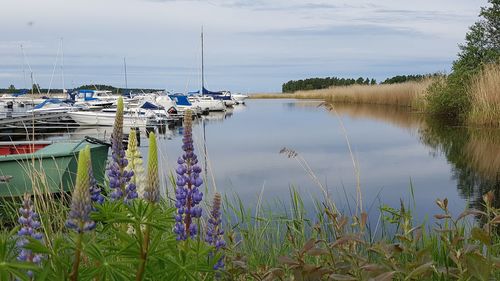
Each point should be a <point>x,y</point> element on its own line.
<point>125,66</point>
<point>62,65</point>
<point>202,66</point>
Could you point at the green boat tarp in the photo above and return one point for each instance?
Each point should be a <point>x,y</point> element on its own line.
<point>51,169</point>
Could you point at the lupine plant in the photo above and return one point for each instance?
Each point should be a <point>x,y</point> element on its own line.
<point>119,177</point>
<point>134,158</point>
<point>187,194</point>
<point>29,229</point>
<point>81,206</point>
<point>215,232</point>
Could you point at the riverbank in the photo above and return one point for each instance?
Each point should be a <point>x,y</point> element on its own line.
<point>410,94</point>
<point>482,97</point>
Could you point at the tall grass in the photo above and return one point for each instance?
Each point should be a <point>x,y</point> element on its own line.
<point>485,97</point>
<point>410,94</point>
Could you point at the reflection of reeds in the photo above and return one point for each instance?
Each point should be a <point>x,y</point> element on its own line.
<point>403,94</point>
<point>400,117</point>
<point>485,94</point>
<point>482,151</point>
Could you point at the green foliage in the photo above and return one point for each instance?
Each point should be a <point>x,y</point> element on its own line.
<point>414,77</point>
<point>451,97</point>
<point>11,89</point>
<point>321,83</point>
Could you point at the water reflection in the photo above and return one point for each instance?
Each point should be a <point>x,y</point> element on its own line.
<point>474,154</point>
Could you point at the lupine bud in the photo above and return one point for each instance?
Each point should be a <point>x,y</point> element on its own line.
<point>81,204</point>
<point>215,232</point>
<point>152,190</point>
<point>29,228</point>
<point>134,158</point>
<point>118,176</point>
<point>187,194</point>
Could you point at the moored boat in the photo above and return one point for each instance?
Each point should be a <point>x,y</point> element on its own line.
<point>51,169</point>
<point>102,118</point>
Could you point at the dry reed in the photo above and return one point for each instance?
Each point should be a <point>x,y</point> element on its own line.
<point>410,94</point>
<point>485,97</point>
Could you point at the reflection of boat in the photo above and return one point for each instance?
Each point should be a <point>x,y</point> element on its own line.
<point>102,118</point>
<point>50,169</point>
<point>218,116</point>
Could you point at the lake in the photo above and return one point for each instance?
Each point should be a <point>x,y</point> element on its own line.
<point>400,156</point>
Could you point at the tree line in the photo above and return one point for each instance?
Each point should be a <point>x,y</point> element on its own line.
<point>323,83</point>
<point>37,89</point>
<point>413,77</point>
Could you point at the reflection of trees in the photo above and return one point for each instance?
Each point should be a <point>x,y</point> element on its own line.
<point>473,153</point>
<point>401,117</point>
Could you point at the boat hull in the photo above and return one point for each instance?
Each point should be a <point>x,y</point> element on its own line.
<point>107,119</point>
<point>49,170</point>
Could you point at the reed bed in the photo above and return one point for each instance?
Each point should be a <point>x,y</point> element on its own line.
<point>409,94</point>
<point>485,97</point>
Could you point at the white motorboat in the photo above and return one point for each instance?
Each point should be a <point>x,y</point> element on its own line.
<point>239,98</point>
<point>207,103</point>
<point>52,105</point>
<point>182,104</point>
<point>102,118</point>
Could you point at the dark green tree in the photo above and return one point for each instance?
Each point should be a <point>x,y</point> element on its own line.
<point>482,46</point>
<point>11,89</point>
<point>35,88</point>
<point>482,42</point>
<point>367,81</point>
<point>373,82</point>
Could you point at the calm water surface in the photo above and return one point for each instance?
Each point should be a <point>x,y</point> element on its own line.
<point>395,151</point>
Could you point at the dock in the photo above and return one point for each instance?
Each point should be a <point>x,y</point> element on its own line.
<point>13,119</point>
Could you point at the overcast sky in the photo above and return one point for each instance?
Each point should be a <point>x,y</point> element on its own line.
<point>250,45</point>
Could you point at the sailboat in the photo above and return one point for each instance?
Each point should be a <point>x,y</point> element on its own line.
<point>225,96</point>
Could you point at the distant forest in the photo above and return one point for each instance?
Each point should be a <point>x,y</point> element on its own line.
<point>406,78</point>
<point>323,83</point>
<point>36,88</point>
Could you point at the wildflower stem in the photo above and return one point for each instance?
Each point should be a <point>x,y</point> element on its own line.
<point>73,276</point>
<point>144,254</point>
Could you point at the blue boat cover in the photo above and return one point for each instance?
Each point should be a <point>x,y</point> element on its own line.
<point>180,99</point>
<point>40,105</point>
<point>216,95</point>
<point>148,105</point>
<point>21,92</point>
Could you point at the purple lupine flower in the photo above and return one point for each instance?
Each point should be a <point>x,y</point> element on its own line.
<point>119,177</point>
<point>29,225</point>
<point>81,203</point>
<point>95,191</point>
<point>214,230</point>
<point>187,194</point>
